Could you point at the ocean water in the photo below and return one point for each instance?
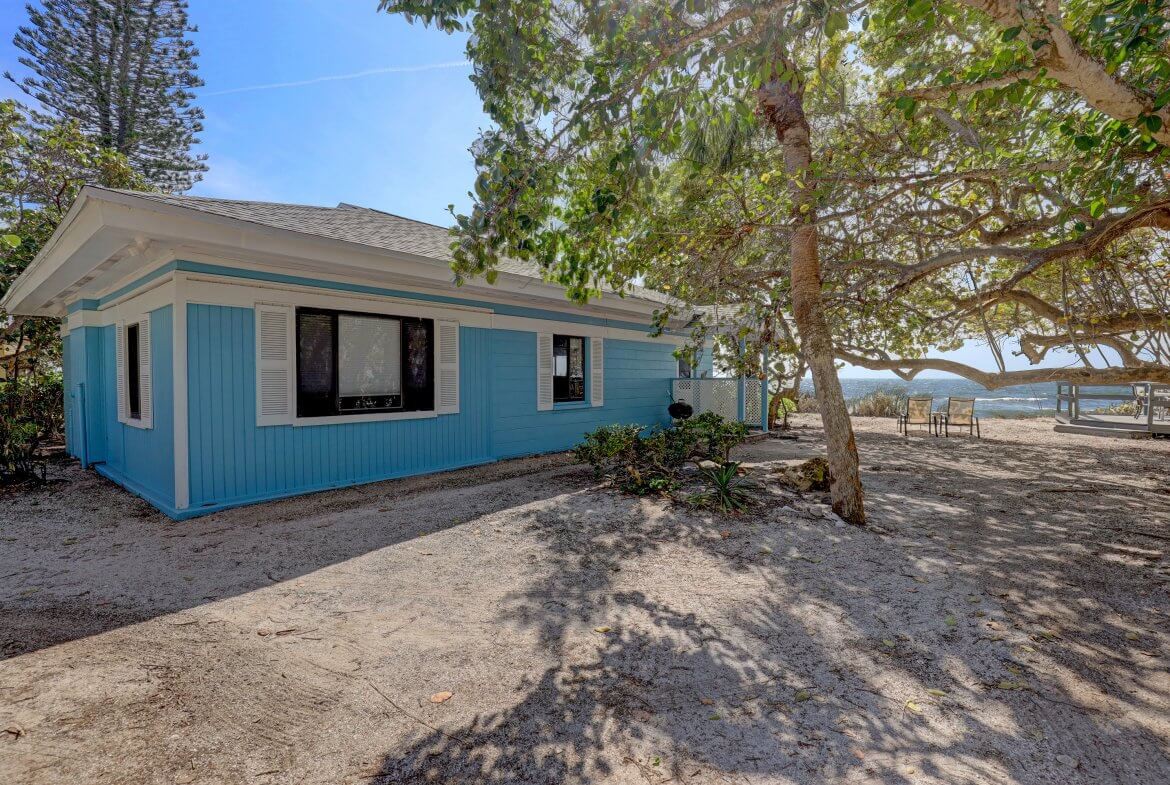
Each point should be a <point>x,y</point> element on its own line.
<point>1026,400</point>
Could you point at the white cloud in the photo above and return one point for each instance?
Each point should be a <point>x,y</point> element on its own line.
<point>397,69</point>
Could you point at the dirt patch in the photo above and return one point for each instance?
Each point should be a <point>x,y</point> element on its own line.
<point>1003,620</point>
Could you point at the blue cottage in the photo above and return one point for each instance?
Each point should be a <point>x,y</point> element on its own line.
<point>220,353</point>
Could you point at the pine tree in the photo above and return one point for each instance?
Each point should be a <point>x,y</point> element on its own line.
<point>124,70</point>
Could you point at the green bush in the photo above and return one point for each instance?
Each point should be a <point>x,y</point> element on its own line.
<point>31,413</point>
<point>651,462</point>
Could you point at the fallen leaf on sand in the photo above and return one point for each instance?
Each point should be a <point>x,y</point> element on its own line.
<point>602,630</point>
<point>725,534</point>
<point>914,707</point>
<point>1133,636</point>
<point>442,697</point>
<point>951,621</point>
<point>706,701</point>
<point>937,693</point>
<point>14,730</point>
<point>802,696</point>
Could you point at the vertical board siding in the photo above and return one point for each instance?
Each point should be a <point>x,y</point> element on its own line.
<point>234,460</point>
<point>637,390</point>
<point>69,379</point>
<point>144,457</point>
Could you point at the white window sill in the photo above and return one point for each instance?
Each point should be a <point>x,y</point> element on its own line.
<point>342,419</point>
<point>139,424</point>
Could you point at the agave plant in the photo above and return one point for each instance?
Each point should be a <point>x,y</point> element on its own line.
<point>729,491</point>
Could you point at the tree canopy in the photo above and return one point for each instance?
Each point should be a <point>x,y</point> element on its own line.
<point>124,71</point>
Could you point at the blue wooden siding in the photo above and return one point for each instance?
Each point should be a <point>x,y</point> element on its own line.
<point>637,390</point>
<point>234,461</point>
<point>141,459</point>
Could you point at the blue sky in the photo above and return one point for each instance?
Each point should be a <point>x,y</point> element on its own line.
<point>324,101</point>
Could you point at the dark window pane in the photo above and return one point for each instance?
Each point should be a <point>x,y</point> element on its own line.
<point>133,380</point>
<point>684,369</point>
<point>419,373</point>
<point>315,364</point>
<point>568,368</point>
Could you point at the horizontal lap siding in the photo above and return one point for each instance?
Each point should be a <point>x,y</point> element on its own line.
<point>232,459</point>
<point>637,390</point>
<point>144,457</point>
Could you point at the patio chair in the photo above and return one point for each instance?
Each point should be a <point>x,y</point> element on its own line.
<point>960,413</point>
<point>1160,400</point>
<point>917,412</point>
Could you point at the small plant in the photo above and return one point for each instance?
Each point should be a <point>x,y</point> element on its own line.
<point>728,490</point>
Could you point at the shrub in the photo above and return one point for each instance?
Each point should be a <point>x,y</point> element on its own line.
<point>882,402</point>
<point>31,413</point>
<point>808,404</point>
<point>640,463</point>
<point>728,490</point>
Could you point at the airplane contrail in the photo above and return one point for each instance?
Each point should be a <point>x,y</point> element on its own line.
<point>396,69</point>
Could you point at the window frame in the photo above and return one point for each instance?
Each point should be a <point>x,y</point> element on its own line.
<point>584,395</point>
<point>409,408</point>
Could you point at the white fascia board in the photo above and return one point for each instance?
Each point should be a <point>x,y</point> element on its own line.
<point>190,227</point>
<point>87,242</point>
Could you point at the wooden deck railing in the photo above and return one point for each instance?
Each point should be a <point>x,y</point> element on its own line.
<point>1151,399</point>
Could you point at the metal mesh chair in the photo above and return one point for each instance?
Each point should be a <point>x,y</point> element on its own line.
<point>917,413</point>
<point>960,413</point>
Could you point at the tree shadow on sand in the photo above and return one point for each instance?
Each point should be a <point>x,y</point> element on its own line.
<point>955,646</point>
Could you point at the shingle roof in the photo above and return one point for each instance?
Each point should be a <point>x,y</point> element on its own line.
<point>351,223</point>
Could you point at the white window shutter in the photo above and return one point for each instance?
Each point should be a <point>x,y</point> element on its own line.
<point>274,364</point>
<point>120,371</point>
<point>145,394</point>
<point>447,392</point>
<point>597,371</point>
<point>544,371</point>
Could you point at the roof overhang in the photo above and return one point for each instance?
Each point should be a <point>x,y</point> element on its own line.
<point>107,237</point>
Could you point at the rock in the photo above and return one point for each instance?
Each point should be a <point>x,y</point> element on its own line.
<point>1068,760</point>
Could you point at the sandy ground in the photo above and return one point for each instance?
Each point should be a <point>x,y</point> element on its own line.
<point>1005,620</point>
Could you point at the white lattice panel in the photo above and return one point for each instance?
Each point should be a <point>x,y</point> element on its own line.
<point>720,396</point>
<point>752,404</point>
<point>725,398</point>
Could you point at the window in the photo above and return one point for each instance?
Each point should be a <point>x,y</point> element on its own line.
<point>357,363</point>
<point>684,369</point>
<point>133,374</point>
<point>568,368</point>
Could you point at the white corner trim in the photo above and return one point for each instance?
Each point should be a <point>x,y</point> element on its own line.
<point>179,414</point>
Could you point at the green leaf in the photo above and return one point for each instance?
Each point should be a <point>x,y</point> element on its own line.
<point>1097,208</point>
<point>1011,33</point>
<point>906,104</point>
<point>11,240</point>
<point>1154,123</point>
<point>1085,142</point>
<point>836,22</point>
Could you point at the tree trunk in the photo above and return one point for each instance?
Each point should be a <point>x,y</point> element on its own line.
<point>783,107</point>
